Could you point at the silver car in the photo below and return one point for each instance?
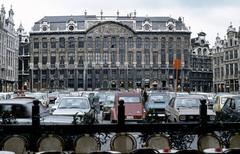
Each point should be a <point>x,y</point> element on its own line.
<point>186,108</point>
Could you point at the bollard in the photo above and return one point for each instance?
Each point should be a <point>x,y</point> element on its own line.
<point>35,114</point>
<point>35,125</point>
<point>203,115</point>
<point>121,112</point>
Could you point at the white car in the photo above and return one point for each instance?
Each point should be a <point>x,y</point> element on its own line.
<point>186,108</point>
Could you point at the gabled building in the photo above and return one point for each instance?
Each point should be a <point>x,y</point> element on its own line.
<point>226,62</point>
<point>8,52</point>
<point>23,59</point>
<point>201,63</point>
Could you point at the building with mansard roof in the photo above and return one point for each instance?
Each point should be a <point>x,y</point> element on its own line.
<point>105,52</point>
<point>8,52</point>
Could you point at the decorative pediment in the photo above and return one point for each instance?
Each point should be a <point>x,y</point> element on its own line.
<point>109,29</point>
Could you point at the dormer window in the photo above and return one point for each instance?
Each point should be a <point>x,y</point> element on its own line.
<point>170,25</point>
<point>45,26</point>
<point>71,28</point>
<point>71,25</point>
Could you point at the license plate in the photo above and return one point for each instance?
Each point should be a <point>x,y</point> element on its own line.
<point>129,117</point>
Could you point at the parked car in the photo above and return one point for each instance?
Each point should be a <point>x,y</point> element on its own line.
<point>70,109</point>
<point>231,109</point>
<point>155,106</point>
<point>19,110</point>
<point>219,101</point>
<point>134,109</point>
<point>186,108</point>
<point>107,105</point>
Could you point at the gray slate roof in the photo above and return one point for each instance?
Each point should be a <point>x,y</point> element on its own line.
<point>60,22</point>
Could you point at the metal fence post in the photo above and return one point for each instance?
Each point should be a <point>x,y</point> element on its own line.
<point>121,112</point>
<point>35,124</point>
<point>203,116</point>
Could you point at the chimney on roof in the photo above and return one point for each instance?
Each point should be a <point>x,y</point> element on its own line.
<point>117,13</point>
<point>101,14</point>
<point>85,12</point>
<point>135,13</point>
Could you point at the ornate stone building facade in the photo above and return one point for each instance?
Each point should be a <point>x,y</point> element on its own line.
<point>201,63</point>
<point>8,52</point>
<point>91,52</point>
<point>226,62</point>
<point>23,59</point>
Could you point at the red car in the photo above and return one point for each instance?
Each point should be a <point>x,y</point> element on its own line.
<point>134,108</point>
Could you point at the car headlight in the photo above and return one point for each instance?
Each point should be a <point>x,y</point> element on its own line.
<point>182,117</point>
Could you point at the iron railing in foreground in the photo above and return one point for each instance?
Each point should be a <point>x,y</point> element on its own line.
<point>180,135</point>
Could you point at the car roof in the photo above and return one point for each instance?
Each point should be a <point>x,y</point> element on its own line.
<point>17,101</point>
<point>128,94</point>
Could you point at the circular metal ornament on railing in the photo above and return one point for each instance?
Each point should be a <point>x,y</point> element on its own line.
<point>51,142</point>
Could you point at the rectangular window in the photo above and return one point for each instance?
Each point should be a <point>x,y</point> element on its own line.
<point>90,58</point>
<point>155,58</point>
<point>226,55</point>
<point>231,69</point>
<point>36,43</point>
<point>113,57</point>
<point>163,57</point>
<point>81,60</point>
<point>44,43</point>
<point>235,54</point>
<point>97,57</point>
<point>147,43</point>
<point>81,42</point>
<point>89,42</point>
<point>44,59</point>
<point>147,57</point>
<point>139,58</point>
<point>163,42</point>
<point>113,42</point>
<point>71,42</point>
<point>61,42</point>
<point>35,60</point>
<point>121,43</point>
<point>231,54</point>
<point>105,57</point>
<point>236,68</point>
<point>155,43</point>
<point>178,54</point>
<point>227,69</point>
<point>53,43</point>
<point>130,57</point>
<point>170,43</point>
<point>71,58</point>
<point>170,57</point>
<point>105,42</point>
<point>139,42</point>
<point>122,56</point>
<point>130,42</point>
<point>97,43</point>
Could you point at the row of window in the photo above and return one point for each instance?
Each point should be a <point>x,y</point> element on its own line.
<point>106,57</point>
<point>112,42</point>
<point>231,69</point>
<point>232,54</point>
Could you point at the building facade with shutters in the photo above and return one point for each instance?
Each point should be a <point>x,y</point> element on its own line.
<point>8,52</point>
<point>226,62</point>
<point>105,52</point>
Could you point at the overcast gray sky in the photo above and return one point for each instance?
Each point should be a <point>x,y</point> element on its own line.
<point>209,16</point>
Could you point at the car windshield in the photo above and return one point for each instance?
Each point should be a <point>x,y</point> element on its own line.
<point>130,99</point>
<point>188,102</point>
<point>17,110</point>
<point>157,99</point>
<point>67,103</point>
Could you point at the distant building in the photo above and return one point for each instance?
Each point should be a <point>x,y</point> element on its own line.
<point>104,52</point>
<point>201,63</point>
<point>8,52</point>
<point>226,60</point>
<point>24,59</point>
